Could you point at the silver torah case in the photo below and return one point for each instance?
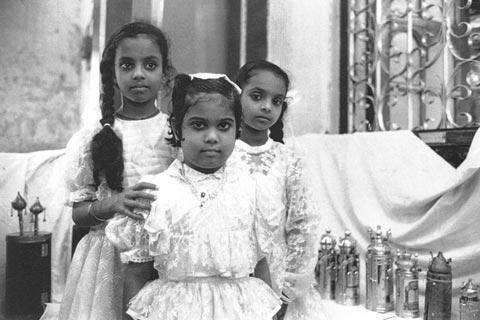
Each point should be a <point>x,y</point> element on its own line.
<point>406,286</point>
<point>326,268</point>
<point>347,290</point>
<point>438,291</point>
<point>379,272</point>
<point>469,302</point>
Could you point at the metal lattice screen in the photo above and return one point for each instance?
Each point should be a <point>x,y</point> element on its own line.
<point>413,64</point>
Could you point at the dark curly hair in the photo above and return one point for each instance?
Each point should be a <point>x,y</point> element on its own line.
<point>106,146</point>
<point>185,94</point>
<point>245,73</point>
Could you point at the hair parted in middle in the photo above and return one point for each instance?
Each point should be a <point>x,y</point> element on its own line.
<point>106,147</point>
<point>188,90</point>
<point>244,75</point>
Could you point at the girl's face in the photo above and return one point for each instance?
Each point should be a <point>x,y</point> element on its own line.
<point>262,99</point>
<point>138,69</point>
<point>208,133</point>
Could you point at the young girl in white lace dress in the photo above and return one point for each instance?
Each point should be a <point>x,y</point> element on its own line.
<point>204,231</point>
<point>105,163</point>
<point>280,171</point>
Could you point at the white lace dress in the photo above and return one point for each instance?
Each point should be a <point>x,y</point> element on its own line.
<point>291,211</point>
<point>206,237</point>
<point>94,283</point>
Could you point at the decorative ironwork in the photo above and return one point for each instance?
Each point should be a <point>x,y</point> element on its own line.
<point>413,64</point>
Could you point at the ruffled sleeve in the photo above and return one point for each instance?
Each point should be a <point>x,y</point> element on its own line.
<point>157,226</point>
<point>129,235</point>
<point>301,232</point>
<point>78,173</point>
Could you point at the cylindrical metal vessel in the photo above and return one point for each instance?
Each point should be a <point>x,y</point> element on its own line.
<point>438,292</point>
<point>326,268</point>
<point>469,302</point>
<point>347,291</point>
<point>379,271</point>
<point>406,286</point>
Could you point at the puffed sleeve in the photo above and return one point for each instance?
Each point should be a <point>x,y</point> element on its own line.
<point>301,229</point>
<point>157,226</point>
<point>129,235</point>
<point>78,171</point>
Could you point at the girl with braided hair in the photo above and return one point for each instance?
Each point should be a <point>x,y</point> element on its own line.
<point>281,171</point>
<point>105,163</point>
<point>205,230</point>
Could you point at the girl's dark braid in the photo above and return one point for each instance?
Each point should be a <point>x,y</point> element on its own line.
<point>106,146</point>
<point>276,131</point>
<point>179,92</point>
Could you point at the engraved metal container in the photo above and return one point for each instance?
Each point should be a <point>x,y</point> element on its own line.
<point>325,270</point>
<point>379,271</point>
<point>438,292</point>
<point>469,302</point>
<point>406,286</point>
<point>347,291</point>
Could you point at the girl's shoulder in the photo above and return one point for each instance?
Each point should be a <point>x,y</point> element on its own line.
<point>236,172</point>
<point>286,152</point>
<point>80,140</point>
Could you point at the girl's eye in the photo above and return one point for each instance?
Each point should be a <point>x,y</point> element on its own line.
<point>150,66</point>
<point>277,102</point>
<point>256,96</point>
<point>198,125</point>
<point>224,126</point>
<point>126,66</point>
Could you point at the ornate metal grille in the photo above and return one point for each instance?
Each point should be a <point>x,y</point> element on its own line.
<point>413,64</point>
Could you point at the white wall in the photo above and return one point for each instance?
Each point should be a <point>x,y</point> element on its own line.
<point>303,37</point>
<point>40,81</point>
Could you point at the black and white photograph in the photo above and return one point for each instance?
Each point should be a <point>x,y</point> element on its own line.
<point>239,159</point>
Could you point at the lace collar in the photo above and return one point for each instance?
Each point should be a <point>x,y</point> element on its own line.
<point>254,149</point>
<point>183,171</point>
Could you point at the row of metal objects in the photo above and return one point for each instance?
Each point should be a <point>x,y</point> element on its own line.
<point>338,278</point>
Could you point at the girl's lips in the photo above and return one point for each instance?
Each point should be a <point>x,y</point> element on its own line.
<point>263,118</point>
<point>211,150</point>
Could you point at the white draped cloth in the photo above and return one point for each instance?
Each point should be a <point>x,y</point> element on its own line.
<point>394,180</point>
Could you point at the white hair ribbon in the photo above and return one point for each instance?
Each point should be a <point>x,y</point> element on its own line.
<point>206,76</point>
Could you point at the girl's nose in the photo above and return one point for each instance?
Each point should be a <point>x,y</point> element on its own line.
<point>266,107</point>
<point>211,136</point>
<point>138,73</point>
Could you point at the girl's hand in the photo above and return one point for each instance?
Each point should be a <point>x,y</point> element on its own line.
<point>132,198</point>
